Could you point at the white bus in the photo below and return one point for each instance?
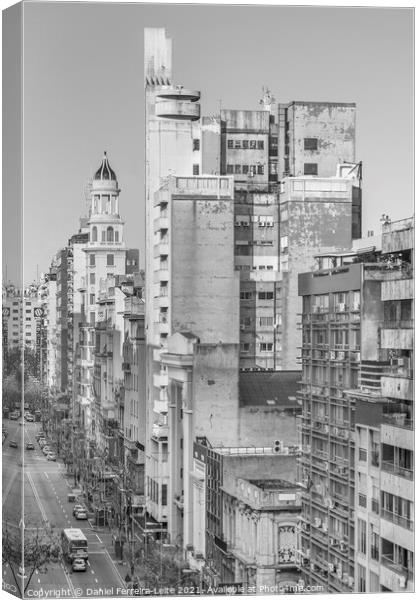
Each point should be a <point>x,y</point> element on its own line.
<point>74,544</point>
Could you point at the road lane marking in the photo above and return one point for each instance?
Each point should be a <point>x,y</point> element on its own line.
<point>69,583</point>
<point>93,572</point>
<point>96,581</point>
<point>37,498</point>
<point>118,574</point>
<point>6,492</point>
<point>98,537</point>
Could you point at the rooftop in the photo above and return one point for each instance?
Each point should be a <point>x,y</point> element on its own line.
<point>272,484</point>
<point>269,388</point>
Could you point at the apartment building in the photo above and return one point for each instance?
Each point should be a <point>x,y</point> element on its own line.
<point>47,292</point>
<point>384,421</point>
<point>352,418</point>
<point>193,217</point>
<point>250,529</point>
<point>132,417</point>
<point>20,317</point>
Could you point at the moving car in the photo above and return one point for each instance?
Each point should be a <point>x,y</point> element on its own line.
<point>77,508</point>
<point>30,446</point>
<point>51,456</point>
<point>29,418</point>
<point>13,416</point>
<point>13,444</point>
<point>39,435</point>
<point>79,564</point>
<point>81,514</point>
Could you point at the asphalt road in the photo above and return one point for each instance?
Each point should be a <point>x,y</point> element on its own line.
<point>39,485</point>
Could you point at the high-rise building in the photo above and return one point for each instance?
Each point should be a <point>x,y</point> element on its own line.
<point>356,418</point>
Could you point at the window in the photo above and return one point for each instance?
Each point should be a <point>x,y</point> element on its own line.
<point>361,580</point>
<point>260,144</point>
<point>374,544</point>
<point>92,278</point>
<point>110,234</point>
<point>245,144</point>
<point>164,494</point>
<point>92,299</point>
<point>260,169</point>
<point>237,169</point>
<point>238,144</point>
<point>116,236</point>
<point>110,260</point>
<point>266,347</point>
<point>361,536</point>
<point>229,169</point>
<point>362,500</point>
<point>196,169</point>
<point>265,295</point>
<point>266,321</point>
<point>230,144</point>
<point>94,234</point>
<point>245,322</point>
<point>362,455</point>
<point>245,169</point>
<point>310,169</point>
<point>245,295</point>
<point>245,347</point>
<point>92,260</point>
<point>253,144</point>
<point>196,144</point>
<point>310,144</point>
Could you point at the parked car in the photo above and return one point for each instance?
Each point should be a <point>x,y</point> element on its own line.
<point>30,446</point>
<point>13,444</point>
<point>29,418</point>
<point>51,456</point>
<point>42,442</point>
<point>39,435</point>
<point>14,416</point>
<point>79,564</point>
<point>81,514</point>
<point>46,449</point>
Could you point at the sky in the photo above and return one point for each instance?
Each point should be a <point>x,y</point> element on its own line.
<point>83,94</point>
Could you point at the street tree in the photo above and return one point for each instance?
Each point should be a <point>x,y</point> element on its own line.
<point>28,550</point>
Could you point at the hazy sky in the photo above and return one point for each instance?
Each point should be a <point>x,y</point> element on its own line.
<point>83,81</point>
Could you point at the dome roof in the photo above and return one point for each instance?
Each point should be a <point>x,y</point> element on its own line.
<point>105,172</point>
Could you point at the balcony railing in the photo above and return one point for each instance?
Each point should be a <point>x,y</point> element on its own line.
<point>397,519</point>
<point>405,324</point>
<point>398,420</point>
<point>391,467</point>
<point>388,561</point>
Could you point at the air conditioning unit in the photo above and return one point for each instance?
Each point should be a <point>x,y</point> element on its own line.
<point>341,307</point>
<point>325,526</point>
<point>331,567</point>
<point>341,356</point>
<point>400,362</point>
<point>326,429</point>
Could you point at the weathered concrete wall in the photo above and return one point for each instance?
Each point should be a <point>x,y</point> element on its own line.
<point>215,391</point>
<point>210,140</point>
<point>262,425</point>
<point>398,289</point>
<point>333,125</point>
<point>265,466</point>
<point>205,287</point>
<point>371,318</point>
<point>317,222</point>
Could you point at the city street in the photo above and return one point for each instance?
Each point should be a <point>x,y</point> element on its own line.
<point>45,500</point>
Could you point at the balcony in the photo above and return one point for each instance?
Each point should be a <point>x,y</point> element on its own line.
<point>159,431</point>
<point>397,338</point>
<point>177,109</point>
<point>126,367</point>
<point>398,289</point>
<point>397,519</point>
<point>391,467</point>
<point>398,420</point>
<point>395,576</point>
<point>395,386</point>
